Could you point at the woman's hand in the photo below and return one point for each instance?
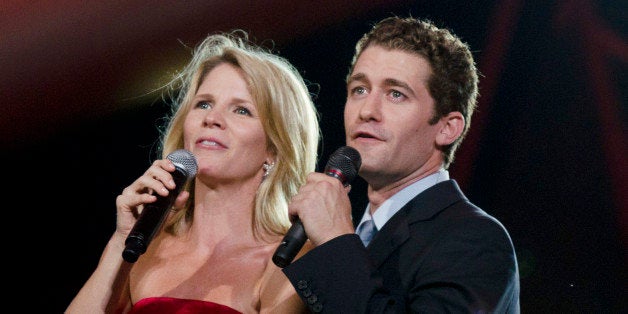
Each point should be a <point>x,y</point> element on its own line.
<point>156,180</point>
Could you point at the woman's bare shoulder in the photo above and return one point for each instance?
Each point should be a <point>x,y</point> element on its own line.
<point>277,295</point>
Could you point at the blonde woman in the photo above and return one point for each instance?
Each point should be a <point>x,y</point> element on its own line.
<point>247,117</point>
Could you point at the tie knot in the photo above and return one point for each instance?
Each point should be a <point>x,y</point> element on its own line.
<point>366,231</point>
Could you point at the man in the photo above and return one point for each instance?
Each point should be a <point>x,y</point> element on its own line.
<point>411,91</point>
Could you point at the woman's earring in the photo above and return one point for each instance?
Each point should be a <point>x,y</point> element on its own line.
<point>267,168</point>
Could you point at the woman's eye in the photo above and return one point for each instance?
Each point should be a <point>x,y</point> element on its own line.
<point>203,105</point>
<point>243,111</point>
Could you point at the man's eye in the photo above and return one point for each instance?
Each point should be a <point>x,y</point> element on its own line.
<point>396,94</point>
<point>359,90</point>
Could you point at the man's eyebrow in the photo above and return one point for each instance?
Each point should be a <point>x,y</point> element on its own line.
<point>398,83</point>
<point>357,77</point>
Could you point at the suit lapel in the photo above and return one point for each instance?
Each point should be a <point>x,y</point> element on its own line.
<point>422,207</point>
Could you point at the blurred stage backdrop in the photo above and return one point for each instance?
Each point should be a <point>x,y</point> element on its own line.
<point>546,154</point>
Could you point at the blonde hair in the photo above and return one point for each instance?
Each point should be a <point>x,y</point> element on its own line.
<point>287,113</point>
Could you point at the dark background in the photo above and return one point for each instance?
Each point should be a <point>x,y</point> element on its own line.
<point>546,154</point>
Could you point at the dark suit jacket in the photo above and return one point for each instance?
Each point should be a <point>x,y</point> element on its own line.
<point>438,254</point>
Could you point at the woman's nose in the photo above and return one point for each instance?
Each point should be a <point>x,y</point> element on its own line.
<point>214,118</point>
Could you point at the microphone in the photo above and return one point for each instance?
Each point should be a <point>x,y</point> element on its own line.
<point>154,214</point>
<point>343,165</point>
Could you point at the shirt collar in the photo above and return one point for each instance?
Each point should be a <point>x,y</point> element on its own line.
<point>392,205</point>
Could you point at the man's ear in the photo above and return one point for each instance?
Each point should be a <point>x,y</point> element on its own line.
<point>452,126</point>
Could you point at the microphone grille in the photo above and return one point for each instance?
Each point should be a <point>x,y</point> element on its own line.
<point>347,160</point>
<point>184,160</point>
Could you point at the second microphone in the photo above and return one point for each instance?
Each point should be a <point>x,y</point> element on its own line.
<point>343,164</point>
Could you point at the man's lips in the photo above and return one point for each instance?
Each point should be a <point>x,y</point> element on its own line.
<point>364,135</point>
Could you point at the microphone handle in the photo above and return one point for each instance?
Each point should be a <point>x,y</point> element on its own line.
<point>290,245</point>
<point>150,220</point>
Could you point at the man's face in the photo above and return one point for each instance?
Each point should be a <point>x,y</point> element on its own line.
<point>386,116</point>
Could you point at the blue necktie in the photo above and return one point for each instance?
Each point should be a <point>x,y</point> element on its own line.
<point>366,231</point>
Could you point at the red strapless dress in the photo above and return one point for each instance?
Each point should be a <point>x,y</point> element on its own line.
<point>179,306</point>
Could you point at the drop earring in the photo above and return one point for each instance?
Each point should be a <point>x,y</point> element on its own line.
<point>267,168</point>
